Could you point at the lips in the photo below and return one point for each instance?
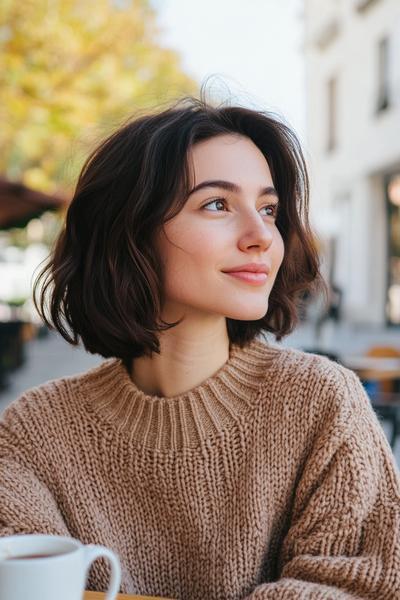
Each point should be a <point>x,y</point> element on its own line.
<point>249,268</point>
<point>255,274</point>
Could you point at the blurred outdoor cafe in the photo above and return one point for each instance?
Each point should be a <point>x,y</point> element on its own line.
<point>30,212</point>
<point>20,207</point>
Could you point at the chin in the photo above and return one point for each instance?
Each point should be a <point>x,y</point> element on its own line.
<point>247,314</point>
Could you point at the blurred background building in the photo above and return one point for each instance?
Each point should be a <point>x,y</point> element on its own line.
<point>352,51</point>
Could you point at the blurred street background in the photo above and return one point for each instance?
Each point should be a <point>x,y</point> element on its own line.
<point>70,72</point>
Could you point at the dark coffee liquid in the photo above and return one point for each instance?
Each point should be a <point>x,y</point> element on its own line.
<point>30,556</point>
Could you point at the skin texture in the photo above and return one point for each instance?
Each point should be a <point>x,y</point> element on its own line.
<point>196,246</point>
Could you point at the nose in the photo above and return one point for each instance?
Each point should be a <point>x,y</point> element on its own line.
<point>255,232</point>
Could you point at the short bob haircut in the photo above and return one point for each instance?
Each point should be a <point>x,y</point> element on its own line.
<point>103,280</point>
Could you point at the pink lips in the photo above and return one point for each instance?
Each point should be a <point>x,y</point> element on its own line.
<point>253,273</point>
<point>248,277</point>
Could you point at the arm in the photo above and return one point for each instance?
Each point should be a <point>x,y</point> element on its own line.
<point>344,539</point>
<point>26,503</point>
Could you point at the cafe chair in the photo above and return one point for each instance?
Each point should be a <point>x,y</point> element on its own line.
<point>385,352</point>
<point>385,395</point>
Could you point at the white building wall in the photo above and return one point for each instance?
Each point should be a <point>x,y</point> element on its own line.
<point>347,194</point>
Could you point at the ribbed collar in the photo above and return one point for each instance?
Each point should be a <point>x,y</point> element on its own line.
<point>180,421</point>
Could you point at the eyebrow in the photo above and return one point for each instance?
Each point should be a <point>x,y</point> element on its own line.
<point>231,187</point>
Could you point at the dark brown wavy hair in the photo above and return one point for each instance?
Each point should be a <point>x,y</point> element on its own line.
<point>103,280</point>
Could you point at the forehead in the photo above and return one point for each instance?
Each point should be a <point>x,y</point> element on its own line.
<point>232,157</point>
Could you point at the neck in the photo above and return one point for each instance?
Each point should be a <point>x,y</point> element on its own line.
<point>189,355</point>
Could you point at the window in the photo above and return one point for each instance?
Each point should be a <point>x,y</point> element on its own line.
<point>331,110</point>
<point>383,75</point>
<point>393,292</point>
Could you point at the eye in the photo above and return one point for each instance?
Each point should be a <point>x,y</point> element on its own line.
<point>222,200</point>
<point>273,208</point>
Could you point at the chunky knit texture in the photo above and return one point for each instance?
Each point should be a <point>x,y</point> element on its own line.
<point>271,479</point>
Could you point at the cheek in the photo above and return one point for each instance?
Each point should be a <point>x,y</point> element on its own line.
<point>282,250</point>
<point>279,249</point>
<point>189,246</point>
<point>190,265</point>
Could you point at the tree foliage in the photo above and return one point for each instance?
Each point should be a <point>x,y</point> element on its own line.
<point>71,70</point>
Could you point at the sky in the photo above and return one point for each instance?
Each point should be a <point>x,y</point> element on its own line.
<point>252,48</point>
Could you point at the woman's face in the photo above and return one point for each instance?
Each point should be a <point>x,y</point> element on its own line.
<point>228,221</point>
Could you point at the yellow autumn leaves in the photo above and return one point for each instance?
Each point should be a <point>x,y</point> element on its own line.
<point>71,70</point>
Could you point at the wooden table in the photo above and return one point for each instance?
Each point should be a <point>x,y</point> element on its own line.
<point>101,596</point>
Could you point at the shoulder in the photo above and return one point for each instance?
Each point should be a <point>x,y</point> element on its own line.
<point>50,402</point>
<point>314,384</point>
<point>292,364</point>
<point>316,370</point>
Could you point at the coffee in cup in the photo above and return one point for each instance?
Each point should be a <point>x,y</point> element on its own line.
<point>45,567</point>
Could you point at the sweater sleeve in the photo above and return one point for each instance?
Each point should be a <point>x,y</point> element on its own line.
<point>26,502</point>
<point>344,537</point>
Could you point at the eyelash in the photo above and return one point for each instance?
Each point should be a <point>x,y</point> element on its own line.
<point>274,206</point>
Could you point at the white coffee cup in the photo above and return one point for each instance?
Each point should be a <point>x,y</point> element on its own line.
<point>61,576</point>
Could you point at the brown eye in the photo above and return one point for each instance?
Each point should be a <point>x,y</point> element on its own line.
<point>221,200</point>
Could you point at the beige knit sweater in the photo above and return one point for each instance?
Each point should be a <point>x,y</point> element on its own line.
<point>271,479</point>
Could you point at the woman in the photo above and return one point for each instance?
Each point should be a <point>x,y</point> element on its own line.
<point>216,465</point>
